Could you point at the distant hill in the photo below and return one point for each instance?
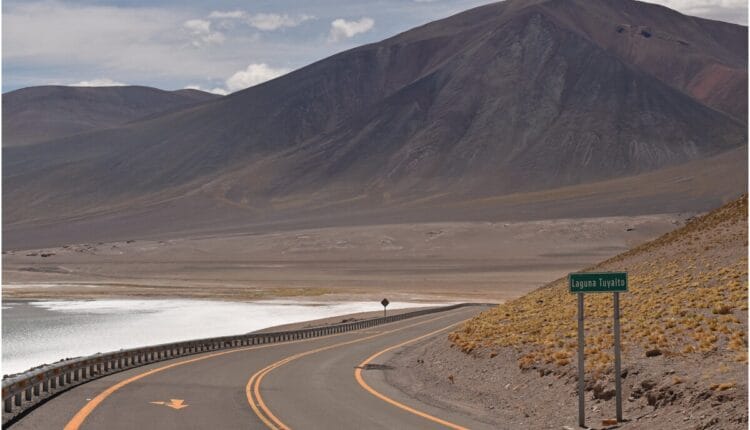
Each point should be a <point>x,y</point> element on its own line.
<point>36,114</point>
<point>515,97</point>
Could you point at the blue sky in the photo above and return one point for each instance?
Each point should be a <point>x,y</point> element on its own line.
<point>221,46</point>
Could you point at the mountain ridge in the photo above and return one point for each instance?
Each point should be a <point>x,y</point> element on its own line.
<point>36,114</point>
<point>476,105</point>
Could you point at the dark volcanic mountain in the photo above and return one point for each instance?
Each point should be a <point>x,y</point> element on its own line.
<point>36,114</point>
<point>512,97</point>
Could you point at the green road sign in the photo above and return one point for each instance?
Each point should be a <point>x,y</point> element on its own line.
<point>605,282</point>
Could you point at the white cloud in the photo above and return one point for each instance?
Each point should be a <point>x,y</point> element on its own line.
<point>232,14</point>
<point>198,26</point>
<point>343,29</point>
<point>273,21</point>
<point>219,91</point>
<point>200,29</point>
<point>254,74</point>
<point>262,21</point>
<point>104,82</point>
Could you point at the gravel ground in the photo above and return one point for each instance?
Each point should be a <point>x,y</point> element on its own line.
<point>658,392</point>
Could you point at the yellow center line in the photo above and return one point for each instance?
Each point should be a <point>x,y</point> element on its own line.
<point>78,419</point>
<point>361,381</point>
<point>252,389</point>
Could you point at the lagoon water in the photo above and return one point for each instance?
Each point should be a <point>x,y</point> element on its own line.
<point>39,332</point>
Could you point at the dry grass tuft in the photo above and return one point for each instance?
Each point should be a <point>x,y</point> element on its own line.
<point>724,386</point>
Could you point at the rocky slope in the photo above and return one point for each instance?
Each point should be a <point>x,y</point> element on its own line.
<point>684,337</point>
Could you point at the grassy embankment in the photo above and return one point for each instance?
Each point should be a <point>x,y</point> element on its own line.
<point>688,296</point>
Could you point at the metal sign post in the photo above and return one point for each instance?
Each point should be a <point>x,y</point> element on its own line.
<point>581,385</point>
<point>607,282</point>
<point>618,383</point>
<point>384,302</point>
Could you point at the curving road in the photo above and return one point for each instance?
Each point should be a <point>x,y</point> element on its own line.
<point>333,382</point>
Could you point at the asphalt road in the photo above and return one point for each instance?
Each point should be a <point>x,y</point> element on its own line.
<point>335,382</point>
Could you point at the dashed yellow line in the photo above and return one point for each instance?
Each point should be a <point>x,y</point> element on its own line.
<point>252,389</point>
<point>383,397</point>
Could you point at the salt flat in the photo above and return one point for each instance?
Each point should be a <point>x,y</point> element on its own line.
<point>39,332</point>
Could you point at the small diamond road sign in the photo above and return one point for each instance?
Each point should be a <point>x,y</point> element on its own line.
<point>605,282</point>
<point>384,302</point>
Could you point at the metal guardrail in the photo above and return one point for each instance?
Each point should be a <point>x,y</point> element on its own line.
<point>27,390</point>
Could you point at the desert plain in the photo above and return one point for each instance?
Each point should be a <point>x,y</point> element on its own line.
<point>448,261</point>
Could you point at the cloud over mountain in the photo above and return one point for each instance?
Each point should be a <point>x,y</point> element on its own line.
<point>343,29</point>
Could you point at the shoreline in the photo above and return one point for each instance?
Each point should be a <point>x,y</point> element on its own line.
<point>18,354</point>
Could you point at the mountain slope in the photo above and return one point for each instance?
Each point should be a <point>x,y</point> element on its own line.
<point>705,59</point>
<point>36,114</point>
<point>511,97</point>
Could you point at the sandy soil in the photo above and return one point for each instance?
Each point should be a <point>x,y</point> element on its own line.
<point>471,261</point>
